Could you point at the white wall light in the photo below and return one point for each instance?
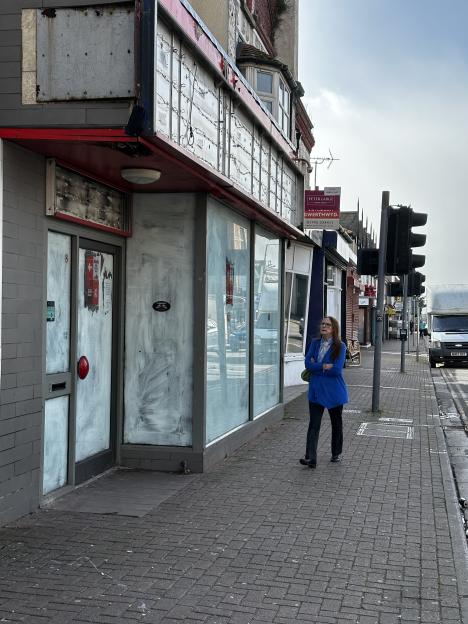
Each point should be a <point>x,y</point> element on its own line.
<point>135,175</point>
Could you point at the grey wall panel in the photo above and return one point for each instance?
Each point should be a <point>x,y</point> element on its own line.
<point>10,37</point>
<point>21,389</point>
<point>108,116</point>
<point>10,53</point>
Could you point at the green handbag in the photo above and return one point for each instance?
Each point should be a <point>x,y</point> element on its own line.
<point>305,375</point>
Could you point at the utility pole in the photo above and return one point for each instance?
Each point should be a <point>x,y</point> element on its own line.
<point>380,301</point>
<point>408,324</point>
<point>418,320</point>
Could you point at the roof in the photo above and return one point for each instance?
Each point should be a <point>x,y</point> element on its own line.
<point>250,54</point>
<point>354,224</point>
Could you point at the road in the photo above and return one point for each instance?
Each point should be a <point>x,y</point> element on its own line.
<point>457,382</point>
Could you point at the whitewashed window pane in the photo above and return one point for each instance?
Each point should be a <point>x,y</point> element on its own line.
<point>93,394</point>
<point>227,331</point>
<point>55,444</point>
<point>58,303</point>
<point>159,345</point>
<point>266,347</point>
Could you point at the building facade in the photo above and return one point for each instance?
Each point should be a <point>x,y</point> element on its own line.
<point>152,169</point>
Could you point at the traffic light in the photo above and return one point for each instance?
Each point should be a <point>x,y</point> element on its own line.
<point>415,287</point>
<point>400,259</point>
<point>395,289</point>
<point>368,261</point>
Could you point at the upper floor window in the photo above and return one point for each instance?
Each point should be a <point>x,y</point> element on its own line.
<point>276,97</point>
<point>284,108</point>
<point>264,88</point>
<point>265,82</point>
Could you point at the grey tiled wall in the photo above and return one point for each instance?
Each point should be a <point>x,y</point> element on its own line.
<point>22,327</point>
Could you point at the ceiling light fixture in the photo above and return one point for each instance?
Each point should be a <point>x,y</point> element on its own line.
<point>136,175</point>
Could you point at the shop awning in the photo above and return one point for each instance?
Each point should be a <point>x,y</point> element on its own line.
<point>103,153</point>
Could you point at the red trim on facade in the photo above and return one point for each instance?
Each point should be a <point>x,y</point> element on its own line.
<point>63,162</point>
<point>75,134</point>
<point>304,125</point>
<point>92,225</point>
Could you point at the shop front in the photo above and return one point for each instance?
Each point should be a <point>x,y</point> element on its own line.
<point>161,322</point>
<point>144,234</point>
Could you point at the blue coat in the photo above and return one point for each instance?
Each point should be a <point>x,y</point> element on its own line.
<point>326,387</point>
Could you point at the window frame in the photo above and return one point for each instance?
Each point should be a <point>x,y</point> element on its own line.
<point>287,311</point>
<point>279,99</point>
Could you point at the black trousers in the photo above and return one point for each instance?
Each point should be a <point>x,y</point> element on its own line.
<point>313,432</point>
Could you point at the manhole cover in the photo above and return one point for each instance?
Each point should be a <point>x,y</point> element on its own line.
<point>386,431</point>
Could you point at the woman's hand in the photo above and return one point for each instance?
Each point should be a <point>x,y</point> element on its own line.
<point>327,366</point>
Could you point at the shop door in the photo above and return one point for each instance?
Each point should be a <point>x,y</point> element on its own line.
<point>94,430</point>
<point>80,406</point>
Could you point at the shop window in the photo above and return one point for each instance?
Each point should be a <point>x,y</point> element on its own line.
<point>295,299</point>
<point>227,331</point>
<point>266,344</point>
<point>331,273</point>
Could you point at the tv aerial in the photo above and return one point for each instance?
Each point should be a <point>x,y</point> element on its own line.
<point>321,160</point>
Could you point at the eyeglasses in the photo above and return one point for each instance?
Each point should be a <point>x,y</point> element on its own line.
<point>326,324</point>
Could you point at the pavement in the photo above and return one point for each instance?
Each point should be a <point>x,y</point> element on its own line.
<point>375,539</point>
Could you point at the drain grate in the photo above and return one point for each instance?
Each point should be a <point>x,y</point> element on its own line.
<point>385,431</point>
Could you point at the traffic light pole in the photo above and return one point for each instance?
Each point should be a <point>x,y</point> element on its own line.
<point>418,321</point>
<point>380,301</point>
<point>405,321</point>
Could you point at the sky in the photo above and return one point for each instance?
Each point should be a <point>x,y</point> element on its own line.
<point>386,88</point>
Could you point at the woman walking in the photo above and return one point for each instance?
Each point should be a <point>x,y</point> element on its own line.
<point>327,389</point>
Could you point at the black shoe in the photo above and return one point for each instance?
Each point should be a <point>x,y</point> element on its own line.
<point>312,465</point>
<point>306,462</point>
<point>335,459</point>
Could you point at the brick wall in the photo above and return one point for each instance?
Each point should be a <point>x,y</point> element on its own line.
<point>264,12</point>
<point>352,306</point>
<point>22,312</point>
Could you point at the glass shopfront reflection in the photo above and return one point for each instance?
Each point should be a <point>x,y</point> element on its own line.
<point>227,324</point>
<point>295,299</point>
<point>266,345</point>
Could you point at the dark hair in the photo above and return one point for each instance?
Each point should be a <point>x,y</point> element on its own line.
<point>336,340</point>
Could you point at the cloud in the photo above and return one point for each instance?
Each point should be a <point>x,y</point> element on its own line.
<point>413,146</point>
<point>330,101</point>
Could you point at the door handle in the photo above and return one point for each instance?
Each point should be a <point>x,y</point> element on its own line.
<point>82,367</point>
